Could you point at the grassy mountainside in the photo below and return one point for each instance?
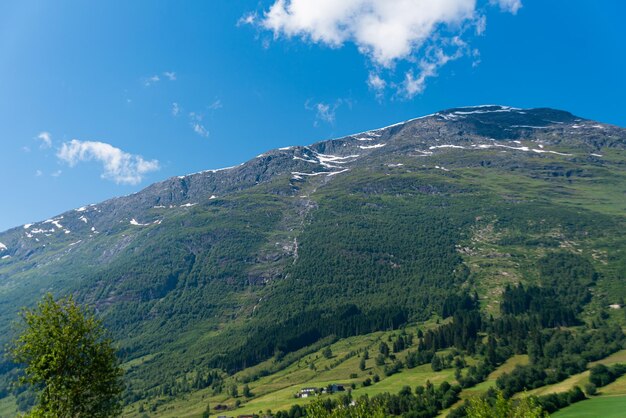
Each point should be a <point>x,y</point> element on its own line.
<point>205,275</point>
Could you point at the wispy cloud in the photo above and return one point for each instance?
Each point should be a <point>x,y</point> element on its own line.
<point>195,120</point>
<point>217,104</point>
<point>38,173</point>
<point>428,67</point>
<point>200,129</point>
<point>386,32</point>
<point>175,109</point>
<point>148,81</point>
<point>325,112</point>
<point>153,79</point>
<point>118,166</point>
<point>45,138</point>
<point>376,83</point>
<point>247,19</point>
<point>511,6</point>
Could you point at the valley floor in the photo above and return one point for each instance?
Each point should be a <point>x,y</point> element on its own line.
<point>277,391</point>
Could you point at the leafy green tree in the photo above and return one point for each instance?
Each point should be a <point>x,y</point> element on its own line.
<point>362,364</point>
<point>361,409</point>
<point>504,408</point>
<point>327,353</point>
<point>436,364</point>
<point>384,349</point>
<point>68,360</point>
<point>207,411</point>
<point>380,359</point>
<point>246,391</point>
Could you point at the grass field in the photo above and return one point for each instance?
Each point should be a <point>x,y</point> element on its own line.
<point>600,407</point>
<point>276,391</point>
<point>8,407</point>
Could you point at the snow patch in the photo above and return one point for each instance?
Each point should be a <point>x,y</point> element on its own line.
<point>54,222</point>
<point>3,247</point>
<point>134,222</point>
<point>371,146</point>
<point>597,155</point>
<point>524,148</point>
<point>329,161</point>
<point>4,257</point>
<point>446,146</point>
<point>297,173</point>
<point>425,153</point>
<point>38,231</point>
<point>212,197</point>
<point>338,172</point>
<point>305,160</point>
<point>215,170</point>
<point>188,205</point>
<point>27,226</point>
<point>81,209</point>
<point>82,218</point>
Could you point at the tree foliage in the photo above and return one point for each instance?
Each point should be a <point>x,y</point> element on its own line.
<point>504,408</point>
<point>68,360</point>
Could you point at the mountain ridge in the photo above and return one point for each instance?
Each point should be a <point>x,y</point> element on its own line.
<point>225,268</point>
<point>459,114</point>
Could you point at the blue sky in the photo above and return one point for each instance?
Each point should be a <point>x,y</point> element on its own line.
<point>100,99</point>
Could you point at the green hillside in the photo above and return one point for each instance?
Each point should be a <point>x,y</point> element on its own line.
<point>498,241</point>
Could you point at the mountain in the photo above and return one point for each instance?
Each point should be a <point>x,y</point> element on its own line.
<point>223,269</point>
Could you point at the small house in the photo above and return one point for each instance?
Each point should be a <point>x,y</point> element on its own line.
<point>306,392</point>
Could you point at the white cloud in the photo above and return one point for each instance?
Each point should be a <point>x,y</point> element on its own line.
<point>217,104</point>
<point>56,173</point>
<point>511,6</point>
<point>247,19</point>
<point>175,109</point>
<point>481,25</point>
<point>170,75</point>
<point>428,67</point>
<point>376,83</point>
<point>200,129</point>
<point>46,139</point>
<point>148,81</point>
<point>118,166</point>
<point>386,32</point>
<point>195,120</point>
<point>325,112</point>
<point>38,173</point>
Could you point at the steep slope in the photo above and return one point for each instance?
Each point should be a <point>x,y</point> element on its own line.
<point>225,268</point>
